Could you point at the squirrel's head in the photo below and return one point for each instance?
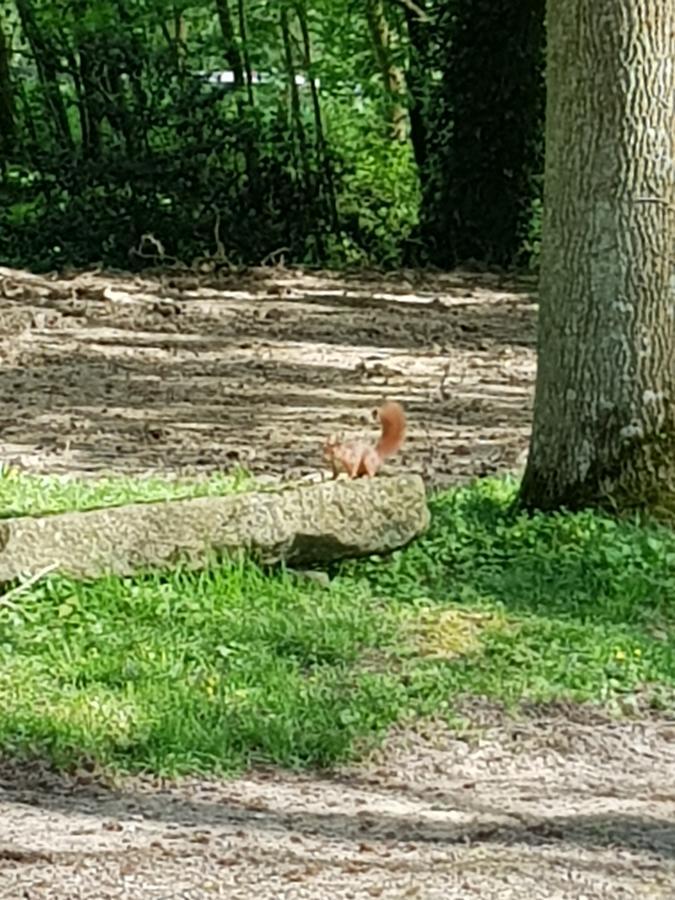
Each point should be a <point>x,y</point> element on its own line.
<point>329,446</point>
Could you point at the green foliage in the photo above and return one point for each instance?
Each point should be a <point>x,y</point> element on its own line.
<point>118,150</point>
<point>531,249</point>
<point>190,204</point>
<point>218,669</point>
<point>484,161</point>
<point>23,494</point>
<point>379,198</point>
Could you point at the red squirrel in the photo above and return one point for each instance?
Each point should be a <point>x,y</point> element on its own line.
<point>358,458</point>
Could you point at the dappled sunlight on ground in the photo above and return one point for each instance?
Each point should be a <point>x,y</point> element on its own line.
<point>179,374</point>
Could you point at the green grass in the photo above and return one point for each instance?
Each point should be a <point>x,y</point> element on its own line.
<point>22,494</point>
<point>216,670</point>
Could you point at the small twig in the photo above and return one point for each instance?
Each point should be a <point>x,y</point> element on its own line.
<point>160,253</point>
<point>7,599</point>
<point>443,381</point>
<point>414,8</point>
<point>273,255</point>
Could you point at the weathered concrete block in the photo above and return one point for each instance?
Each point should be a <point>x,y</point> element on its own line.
<point>313,523</point>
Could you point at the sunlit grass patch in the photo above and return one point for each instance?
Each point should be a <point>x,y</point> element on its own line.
<point>28,494</point>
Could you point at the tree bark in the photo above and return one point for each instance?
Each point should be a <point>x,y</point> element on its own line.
<point>231,48</point>
<point>417,78</point>
<point>604,417</point>
<point>246,59</point>
<point>392,75</point>
<point>321,146</point>
<point>7,106</point>
<point>46,62</point>
<point>89,101</point>
<point>294,95</point>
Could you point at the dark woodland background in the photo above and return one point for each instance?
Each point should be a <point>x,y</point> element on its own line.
<point>320,132</point>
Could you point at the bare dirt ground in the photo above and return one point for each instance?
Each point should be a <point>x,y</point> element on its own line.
<point>550,807</point>
<point>179,374</point>
<point>109,373</point>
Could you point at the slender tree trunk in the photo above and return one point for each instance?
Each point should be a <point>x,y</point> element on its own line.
<point>243,35</point>
<point>89,99</point>
<point>301,158</point>
<point>322,149</point>
<point>294,94</point>
<point>231,49</point>
<point>604,419</point>
<point>174,31</point>
<point>392,75</point>
<point>7,106</point>
<point>180,31</point>
<point>130,111</point>
<point>82,112</point>
<point>417,78</point>
<point>47,65</point>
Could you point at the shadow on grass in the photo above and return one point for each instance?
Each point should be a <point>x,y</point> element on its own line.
<point>583,567</point>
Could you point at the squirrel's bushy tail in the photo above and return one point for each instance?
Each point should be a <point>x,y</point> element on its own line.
<point>393,421</point>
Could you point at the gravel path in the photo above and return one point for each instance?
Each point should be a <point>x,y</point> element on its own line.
<point>539,808</point>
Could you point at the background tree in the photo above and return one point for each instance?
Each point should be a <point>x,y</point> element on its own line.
<point>393,78</point>
<point>7,107</point>
<point>604,419</point>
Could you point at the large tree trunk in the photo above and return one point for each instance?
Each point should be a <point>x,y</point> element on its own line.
<point>604,418</point>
